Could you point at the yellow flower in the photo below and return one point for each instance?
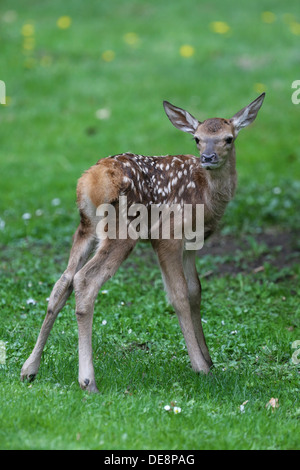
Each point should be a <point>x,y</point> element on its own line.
<point>108,56</point>
<point>46,60</point>
<point>64,22</point>
<point>186,51</point>
<point>288,18</point>
<point>268,17</point>
<point>29,63</point>
<point>295,28</point>
<point>29,43</point>
<point>259,87</point>
<point>131,38</point>
<point>27,29</point>
<point>219,27</point>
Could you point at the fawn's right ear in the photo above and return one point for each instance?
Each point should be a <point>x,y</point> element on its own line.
<point>181,118</point>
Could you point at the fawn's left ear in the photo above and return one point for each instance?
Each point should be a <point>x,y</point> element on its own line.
<point>180,118</point>
<point>247,115</point>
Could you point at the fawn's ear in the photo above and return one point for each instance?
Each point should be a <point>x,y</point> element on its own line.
<point>247,115</point>
<point>181,118</point>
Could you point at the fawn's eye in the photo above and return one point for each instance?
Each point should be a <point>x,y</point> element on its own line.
<point>228,140</point>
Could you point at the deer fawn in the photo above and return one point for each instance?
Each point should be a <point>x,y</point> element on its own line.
<point>209,180</point>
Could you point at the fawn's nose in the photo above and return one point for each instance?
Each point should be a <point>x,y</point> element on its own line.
<point>209,158</point>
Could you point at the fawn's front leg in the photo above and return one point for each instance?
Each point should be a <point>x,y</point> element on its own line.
<point>170,258</point>
<point>194,288</point>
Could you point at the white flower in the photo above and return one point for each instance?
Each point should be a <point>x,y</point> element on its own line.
<point>102,113</point>
<point>9,16</point>
<point>104,322</point>
<point>55,201</point>
<point>30,302</point>
<point>104,292</point>
<point>26,216</point>
<point>167,407</point>
<point>2,224</point>
<point>242,406</point>
<point>176,410</point>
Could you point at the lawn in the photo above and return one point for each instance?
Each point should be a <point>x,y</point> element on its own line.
<point>85,82</point>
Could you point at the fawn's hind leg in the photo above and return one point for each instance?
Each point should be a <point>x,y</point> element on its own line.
<point>82,246</point>
<point>87,283</point>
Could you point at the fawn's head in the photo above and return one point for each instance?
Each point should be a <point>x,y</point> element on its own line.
<point>214,137</point>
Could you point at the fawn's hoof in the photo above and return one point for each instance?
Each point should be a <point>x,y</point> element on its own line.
<point>89,386</point>
<point>27,377</point>
<point>29,371</point>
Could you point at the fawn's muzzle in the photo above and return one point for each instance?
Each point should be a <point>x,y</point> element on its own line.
<point>209,159</point>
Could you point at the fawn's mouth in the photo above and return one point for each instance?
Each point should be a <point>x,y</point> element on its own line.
<point>210,165</point>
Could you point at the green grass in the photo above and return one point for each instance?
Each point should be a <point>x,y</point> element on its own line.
<point>50,134</point>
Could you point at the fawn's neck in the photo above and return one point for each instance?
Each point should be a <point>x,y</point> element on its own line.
<point>220,188</point>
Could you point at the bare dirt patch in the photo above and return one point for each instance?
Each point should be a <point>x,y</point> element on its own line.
<point>281,249</point>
